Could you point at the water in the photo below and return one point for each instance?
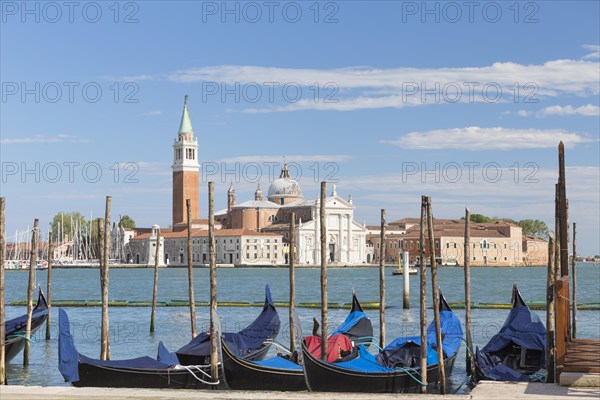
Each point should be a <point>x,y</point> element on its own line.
<point>130,325</point>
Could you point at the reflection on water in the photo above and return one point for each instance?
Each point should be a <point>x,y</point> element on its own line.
<point>129,326</point>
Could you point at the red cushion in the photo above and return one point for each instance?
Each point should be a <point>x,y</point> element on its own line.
<point>335,345</point>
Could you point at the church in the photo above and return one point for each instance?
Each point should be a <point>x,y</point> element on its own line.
<point>252,232</point>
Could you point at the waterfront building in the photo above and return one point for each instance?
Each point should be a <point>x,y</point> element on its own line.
<point>346,239</point>
<point>232,246</point>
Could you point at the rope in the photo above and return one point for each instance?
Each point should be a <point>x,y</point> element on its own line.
<point>373,341</point>
<point>20,335</point>
<point>538,377</point>
<point>407,371</point>
<point>278,345</point>
<point>189,369</point>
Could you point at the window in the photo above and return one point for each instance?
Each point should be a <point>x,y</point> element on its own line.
<point>474,258</point>
<point>447,245</point>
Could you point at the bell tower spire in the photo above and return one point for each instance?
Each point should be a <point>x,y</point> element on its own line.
<point>186,169</point>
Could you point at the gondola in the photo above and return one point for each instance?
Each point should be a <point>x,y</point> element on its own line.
<point>518,351</point>
<point>142,372</point>
<point>394,370</point>
<point>15,329</point>
<point>285,374</point>
<point>253,342</point>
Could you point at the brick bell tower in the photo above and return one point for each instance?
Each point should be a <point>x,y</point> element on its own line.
<point>186,170</point>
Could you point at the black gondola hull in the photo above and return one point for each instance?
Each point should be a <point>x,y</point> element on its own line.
<point>240,374</point>
<point>327,377</point>
<point>15,342</point>
<point>97,376</point>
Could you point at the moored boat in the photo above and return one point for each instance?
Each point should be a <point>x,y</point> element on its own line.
<point>518,351</point>
<point>141,372</point>
<point>395,369</point>
<point>285,373</point>
<point>253,342</point>
<point>14,337</point>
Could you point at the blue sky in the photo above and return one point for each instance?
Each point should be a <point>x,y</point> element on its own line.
<point>506,83</point>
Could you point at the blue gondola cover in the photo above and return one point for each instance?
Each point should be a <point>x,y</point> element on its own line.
<point>245,341</point>
<point>278,362</point>
<point>68,357</point>
<point>522,328</point>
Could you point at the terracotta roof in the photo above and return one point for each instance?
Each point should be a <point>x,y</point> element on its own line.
<point>204,233</point>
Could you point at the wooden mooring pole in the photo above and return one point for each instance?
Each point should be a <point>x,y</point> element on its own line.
<point>49,283</point>
<point>155,287</point>
<point>30,287</point>
<point>574,277</point>
<point>190,268</point>
<point>550,310</point>
<point>436,299</point>
<point>406,280</point>
<point>291,261</point>
<point>563,219</point>
<point>382,281</point>
<point>322,223</point>
<point>214,358</point>
<point>104,331</point>
<point>423,295</point>
<point>557,233</point>
<point>2,309</point>
<point>467,264</point>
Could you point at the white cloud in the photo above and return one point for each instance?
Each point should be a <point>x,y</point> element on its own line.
<point>595,51</point>
<point>357,88</point>
<point>573,76</point>
<point>37,139</point>
<point>153,113</point>
<point>588,110</point>
<point>496,138</point>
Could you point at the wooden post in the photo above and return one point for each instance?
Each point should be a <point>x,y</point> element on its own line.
<point>550,310</point>
<point>30,287</point>
<point>155,288</point>
<point>574,277</point>
<point>190,268</point>
<point>291,260</point>
<point>322,223</point>
<point>557,233</point>
<point>214,358</point>
<point>436,300</point>
<point>467,262</point>
<point>563,220</point>
<point>423,295</point>
<point>105,340</point>
<point>382,281</point>
<point>49,283</point>
<point>406,281</point>
<point>2,309</point>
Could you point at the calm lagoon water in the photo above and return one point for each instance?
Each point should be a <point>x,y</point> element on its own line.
<point>130,325</point>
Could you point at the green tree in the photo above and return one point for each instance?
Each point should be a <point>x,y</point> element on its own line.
<point>66,224</point>
<point>534,227</point>
<point>127,222</point>
<point>480,218</point>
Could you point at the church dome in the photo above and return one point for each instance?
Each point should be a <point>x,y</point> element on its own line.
<point>284,187</point>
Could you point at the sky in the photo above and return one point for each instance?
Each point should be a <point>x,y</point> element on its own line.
<point>388,100</point>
